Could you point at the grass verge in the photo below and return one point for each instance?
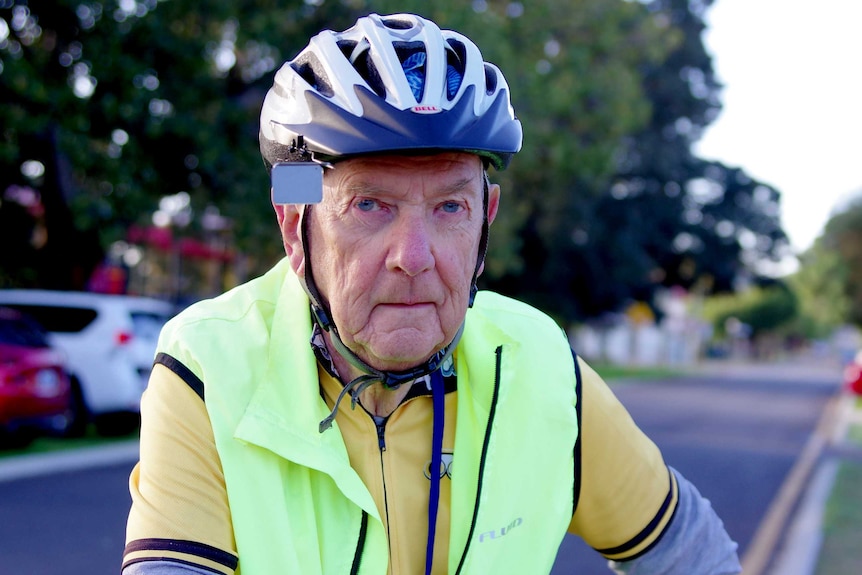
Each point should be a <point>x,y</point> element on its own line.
<point>840,552</point>
<point>611,372</point>
<point>48,444</point>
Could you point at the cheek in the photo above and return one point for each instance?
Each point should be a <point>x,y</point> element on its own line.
<point>457,263</point>
<point>345,276</point>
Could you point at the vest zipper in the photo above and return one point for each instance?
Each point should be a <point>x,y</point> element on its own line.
<point>360,544</point>
<point>492,411</point>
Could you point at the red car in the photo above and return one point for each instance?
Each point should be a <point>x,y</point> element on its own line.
<point>35,392</point>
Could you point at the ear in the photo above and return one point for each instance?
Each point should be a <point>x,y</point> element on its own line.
<point>289,218</point>
<point>493,201</point>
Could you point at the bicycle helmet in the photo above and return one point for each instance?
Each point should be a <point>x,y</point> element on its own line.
<point>390,83</point>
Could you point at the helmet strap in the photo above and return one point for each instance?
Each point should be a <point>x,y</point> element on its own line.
<point>483,240</point>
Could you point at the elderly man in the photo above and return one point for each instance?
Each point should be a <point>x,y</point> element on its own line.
<point>473,438</point>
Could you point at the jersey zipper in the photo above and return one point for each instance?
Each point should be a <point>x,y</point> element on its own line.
<point>380,426</point>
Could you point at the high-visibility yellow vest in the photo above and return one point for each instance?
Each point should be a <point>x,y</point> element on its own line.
<point>297,505</point>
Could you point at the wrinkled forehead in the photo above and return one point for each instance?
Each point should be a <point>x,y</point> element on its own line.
<point>452,171</point>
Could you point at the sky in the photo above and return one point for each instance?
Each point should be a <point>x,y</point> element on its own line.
<point>792,103</point>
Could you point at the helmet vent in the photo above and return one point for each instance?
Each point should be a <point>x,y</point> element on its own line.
<point>397,23</point>
<point>490,79</point>
<point>310,70</point>
<point>364,66</point>
<point>359,57</point>
<point>347,47</point>
<point>456,55</point>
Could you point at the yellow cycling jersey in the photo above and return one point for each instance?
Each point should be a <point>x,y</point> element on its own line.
<point>180,512</point>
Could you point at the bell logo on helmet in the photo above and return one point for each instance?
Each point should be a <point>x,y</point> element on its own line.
<point>426,109</point>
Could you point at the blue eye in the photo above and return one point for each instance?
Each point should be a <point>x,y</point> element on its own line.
<point>366,205</point>
<point>451,207</point>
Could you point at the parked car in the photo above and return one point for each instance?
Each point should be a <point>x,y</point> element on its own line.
<point>35,389</point>
<point>110,341</point>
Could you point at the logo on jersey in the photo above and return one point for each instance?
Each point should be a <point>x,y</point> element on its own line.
<point>445,466</point>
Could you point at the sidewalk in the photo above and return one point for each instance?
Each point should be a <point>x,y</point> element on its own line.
<point>32,465</point>
<point>801,547</point>
<point>790,536</point>
<point>799,368</point>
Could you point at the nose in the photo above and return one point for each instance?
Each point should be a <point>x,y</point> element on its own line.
<point>410,246</point>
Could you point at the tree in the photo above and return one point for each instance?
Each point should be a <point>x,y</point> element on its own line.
<point>762,308</point>
<point>819,284</point>
<point>670,218</point>
<point>829,279</point>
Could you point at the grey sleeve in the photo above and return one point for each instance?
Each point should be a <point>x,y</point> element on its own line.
<point>163,568</point>
<point>695,543</point>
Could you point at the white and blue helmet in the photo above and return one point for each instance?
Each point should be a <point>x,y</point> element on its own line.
<point>389,84</point>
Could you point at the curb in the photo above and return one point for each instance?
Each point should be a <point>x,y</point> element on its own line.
<point>34,465</point>
<point>800,552</point>
<point>785,515</point>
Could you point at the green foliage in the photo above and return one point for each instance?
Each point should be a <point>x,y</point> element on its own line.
<point>843,235</point>
<point>762,309</point>
<point>819,284</point>
<point>829,281</point>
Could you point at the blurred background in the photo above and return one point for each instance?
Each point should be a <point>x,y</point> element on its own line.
<point>687,205</point>
<point>129,165</point>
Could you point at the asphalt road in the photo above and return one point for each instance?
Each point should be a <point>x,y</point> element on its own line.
<point>70,523</point>
<point>735,435</point>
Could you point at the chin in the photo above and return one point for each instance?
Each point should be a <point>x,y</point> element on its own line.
<point>403,358</point>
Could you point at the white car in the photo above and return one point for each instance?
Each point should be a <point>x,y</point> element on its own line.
<point>110,343</point>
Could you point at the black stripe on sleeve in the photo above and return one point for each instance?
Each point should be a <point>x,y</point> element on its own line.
<point>576,490</point>
<point>197,566</point>
<point>649,529</point>
<point>190,548</point>
<point>182,371</point>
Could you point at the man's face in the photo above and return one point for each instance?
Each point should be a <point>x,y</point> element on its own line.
<point>393,250</point>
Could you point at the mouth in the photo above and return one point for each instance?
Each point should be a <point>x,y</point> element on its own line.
<point>408,305</point>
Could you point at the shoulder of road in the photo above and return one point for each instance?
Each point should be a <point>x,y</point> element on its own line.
<point>35,464</point>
